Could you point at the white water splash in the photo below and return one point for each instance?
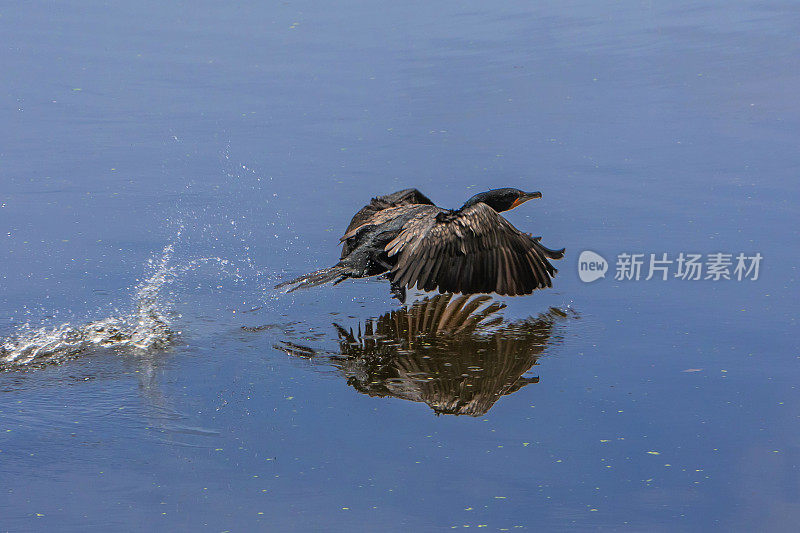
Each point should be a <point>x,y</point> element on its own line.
<point>146,328</point>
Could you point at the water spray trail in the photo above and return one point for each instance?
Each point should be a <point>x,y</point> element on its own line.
<point>146,328</point>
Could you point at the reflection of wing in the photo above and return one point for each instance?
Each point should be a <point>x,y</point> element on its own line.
<point>455,353</point>
<point>443,314</point>
<point>471,251</point>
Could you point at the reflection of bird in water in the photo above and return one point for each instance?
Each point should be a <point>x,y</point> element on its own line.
<point>406,238</point>
<point>455,353</point>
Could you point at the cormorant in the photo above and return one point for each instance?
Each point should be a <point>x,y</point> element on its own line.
<point>407,239</point>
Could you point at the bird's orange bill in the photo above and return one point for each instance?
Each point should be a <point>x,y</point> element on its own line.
<point>524,198</point>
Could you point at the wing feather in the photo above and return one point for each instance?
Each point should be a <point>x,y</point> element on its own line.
<point>469,251</point>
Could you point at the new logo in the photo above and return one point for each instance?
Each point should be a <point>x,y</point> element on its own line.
<point>591,266</point>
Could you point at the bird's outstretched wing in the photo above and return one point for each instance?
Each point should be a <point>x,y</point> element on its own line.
<point>471,251</point>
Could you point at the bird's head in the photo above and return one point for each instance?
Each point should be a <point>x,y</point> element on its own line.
<point>502,199</point>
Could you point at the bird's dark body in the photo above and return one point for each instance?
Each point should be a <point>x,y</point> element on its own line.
<point>366,250</point>
<point>406,238</point>
<point>406,197</point>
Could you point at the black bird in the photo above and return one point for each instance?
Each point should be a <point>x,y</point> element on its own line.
<point>407,239</point>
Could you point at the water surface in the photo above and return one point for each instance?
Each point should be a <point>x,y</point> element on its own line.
<point>162,167</point>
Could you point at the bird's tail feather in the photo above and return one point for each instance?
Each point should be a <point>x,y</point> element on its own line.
<point>335,273</point>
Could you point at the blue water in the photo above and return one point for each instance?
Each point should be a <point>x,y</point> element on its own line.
<point>199,152</point>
